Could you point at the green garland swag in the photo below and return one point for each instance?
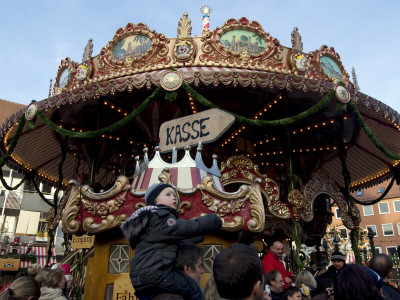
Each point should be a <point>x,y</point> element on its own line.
<point>265,123</point>
<point>369,133</point>
<point>109,129</point>
<point>355,237</point>
<point>28,257</point>
<point>298,261</point>
<point>10,150</point>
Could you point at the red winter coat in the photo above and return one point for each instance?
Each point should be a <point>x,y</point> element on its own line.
<point>272,262</point>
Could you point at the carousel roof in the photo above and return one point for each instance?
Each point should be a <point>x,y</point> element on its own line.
<point>109,107</point>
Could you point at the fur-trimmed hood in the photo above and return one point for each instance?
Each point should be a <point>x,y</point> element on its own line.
<point>134,226</point>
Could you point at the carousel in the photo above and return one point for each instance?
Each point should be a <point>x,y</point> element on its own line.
<point>266,136</point>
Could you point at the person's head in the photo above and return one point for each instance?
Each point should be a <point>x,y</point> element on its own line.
<point>210,289</point>
<point>54,279</point>
<point>306,278</point>
<point>238,273</point>
<point>354,283</point>
<point>277,248</point>
<point>33,270</point>
<point>161,193</point>
<point>275,280</point>
<point>189,259</point>
<point>66,268</point>
<point>292,293</point>
<point>338,260</point>
<point>313,266</point>
<point>381,264</point>
<point>23,288</point>
<point>40,276</point>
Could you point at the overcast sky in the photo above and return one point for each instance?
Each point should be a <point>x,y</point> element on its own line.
<point>36,35</point>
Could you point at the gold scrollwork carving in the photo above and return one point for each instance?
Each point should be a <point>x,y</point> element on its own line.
<point>69,222</point>
<point>240,169</point>
<point>225,204</point>
<point>109,222</point>
<point>154,45</point>
<point>216,52</point>
<point>322,183</point>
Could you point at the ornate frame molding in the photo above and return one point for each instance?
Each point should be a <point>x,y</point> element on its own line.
<point>95,204</point>
<point>322,183</point>
<point>314,69</point>
<point>156,55</point>
<point>236,165</point>
<point>66,63</point>
<point>214,52</point>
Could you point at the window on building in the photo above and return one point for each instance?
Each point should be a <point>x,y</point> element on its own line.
<point>343,232</point>
<point>378,249</point>
<point>360,193</point>
<point>368,210</point>
<point>337,213</point>
<point>29,187</point>
<point>384,208</point>
<point>396,205</point>
<point>381,190</point>
<point>46,188</point>
<point>391,250</point>
<point>2,192</point>
<point>387,229</point>
<point>373,228</point>
<point>398,228</point>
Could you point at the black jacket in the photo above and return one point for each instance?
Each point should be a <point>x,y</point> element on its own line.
<point>155,233</point>
<point>390,292</point>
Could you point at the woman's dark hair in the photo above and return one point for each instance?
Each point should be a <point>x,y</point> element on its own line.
<point>290,291</point>
<point>354,283</point>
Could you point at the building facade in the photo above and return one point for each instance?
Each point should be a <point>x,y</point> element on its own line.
<point>382,217</point>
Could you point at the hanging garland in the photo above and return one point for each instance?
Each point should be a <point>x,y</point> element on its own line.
<point>369,133</point>
<point>296,239</point>
<point>28,257</point>
<point>109,129</point>
<point>263,123</point>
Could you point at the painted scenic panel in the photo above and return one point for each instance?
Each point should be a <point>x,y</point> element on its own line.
<point>64,77</point>
<point>134,46</point>
<point>238,40</point>
<point>330,67</point>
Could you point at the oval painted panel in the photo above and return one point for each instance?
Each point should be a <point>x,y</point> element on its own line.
<point>330,67</point>
<point>64,77</point>
<point>238,40</point>
<point>134,46</point>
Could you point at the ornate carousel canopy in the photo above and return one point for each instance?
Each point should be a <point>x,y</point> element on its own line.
<point>296,113</point>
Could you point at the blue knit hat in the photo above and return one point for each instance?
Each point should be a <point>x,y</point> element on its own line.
<point>153,191</point>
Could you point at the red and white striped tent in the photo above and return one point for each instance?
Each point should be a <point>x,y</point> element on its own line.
<point>350,258</point>
<point>39,251</point>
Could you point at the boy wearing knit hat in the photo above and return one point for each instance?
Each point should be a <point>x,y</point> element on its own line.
<point>338,262</point>
<point>155,231</point>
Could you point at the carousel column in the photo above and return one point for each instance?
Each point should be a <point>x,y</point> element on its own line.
<point>355,232</point>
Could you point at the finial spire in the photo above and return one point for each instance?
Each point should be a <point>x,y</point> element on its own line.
<point>206,10</point>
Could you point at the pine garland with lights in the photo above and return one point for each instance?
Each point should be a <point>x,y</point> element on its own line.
<point>296,239</point>
<point>28,257</point>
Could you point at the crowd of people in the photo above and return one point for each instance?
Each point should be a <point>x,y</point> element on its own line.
<point>47,283</point>
<point>167,265</point>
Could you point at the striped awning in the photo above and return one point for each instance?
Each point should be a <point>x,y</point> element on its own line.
<point>13,201</point>
<point>350,258</point>
<point>39,251</point>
